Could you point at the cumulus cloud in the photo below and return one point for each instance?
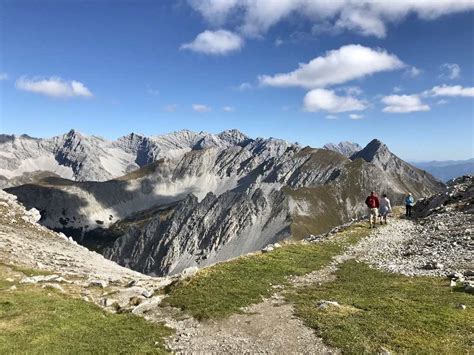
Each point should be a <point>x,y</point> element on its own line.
<point>331,117</point>
<point>403,104</point>
<point>3,76</point>
<point>456,90</point>
<point>366,17</point>
<point>218,42</point>
<point>201,108</point>
<point>228,109</point>
<point>355,116</point>
<point>53,87</point>
<point>450,71</point>
<point>327,100</point>
<point>397,89</point>
<point>336,67</point>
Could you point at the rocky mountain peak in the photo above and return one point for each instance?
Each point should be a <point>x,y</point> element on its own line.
<point>345,148</point>
<point>233,136</point>
<point>374,149</point>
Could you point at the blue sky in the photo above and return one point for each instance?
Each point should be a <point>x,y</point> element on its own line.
<point>400,72</point>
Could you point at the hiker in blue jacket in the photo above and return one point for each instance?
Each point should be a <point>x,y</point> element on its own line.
<point>409,203</point>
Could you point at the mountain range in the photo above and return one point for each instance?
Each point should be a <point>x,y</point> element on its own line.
<point>448,169</point>
<point>162,204</point>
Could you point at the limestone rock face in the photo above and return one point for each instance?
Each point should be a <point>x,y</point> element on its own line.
<point>345,148</point>
<point>202,233</point>
<point>89,158</point>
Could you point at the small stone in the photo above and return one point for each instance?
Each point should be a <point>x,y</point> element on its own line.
<point>9,279</point>
<point>147,294</point>
<point>97,283</point>
<point>452,283</point>
<point>268,249</point>
<point>462,306</point>
<point>131,283</point>
<point>323,304</point>
<point>12,288</point>
<point>469,286</point>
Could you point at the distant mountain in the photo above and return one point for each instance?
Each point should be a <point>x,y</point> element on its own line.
<point>447,170</point>
<point>345,148</point>
<point>208,198</point>
<point>90,158</point>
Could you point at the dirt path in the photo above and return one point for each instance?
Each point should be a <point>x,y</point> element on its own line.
<point>270,326</point>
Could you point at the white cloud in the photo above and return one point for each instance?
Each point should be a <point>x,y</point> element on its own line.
<point>413,72</point>
<point>218,42</point>
<point>450,71</point>
<point>456,90</point>
<point>336,67</point>
<point>244,86</point>
<point>403,104</point>
<point>170,108</point>
<point>397,89</point>
<point>442,102</point>
<point>53,87</point>
<point>331,117</point>
<point>327,100</point>
<point>355,116</point>
<point>366,17</point>
<point>3,76</point>
<point>228,109</point>
<point>201,108</point>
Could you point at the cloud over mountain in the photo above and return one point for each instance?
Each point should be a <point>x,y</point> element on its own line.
<point>327,100</point>
<point>218,42</point>
<point>336,67</point>
<point>404,104</point>
<point>53,87</point>
<point>201,108</point>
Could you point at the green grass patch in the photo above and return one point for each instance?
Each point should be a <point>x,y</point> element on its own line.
<point>25,270</point>
<point>402,314</point>
<point>223,289</point>
<point>42,321</point>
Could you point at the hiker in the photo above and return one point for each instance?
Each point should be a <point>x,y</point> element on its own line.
<point>385,209</point>
<point>409,203</point>
<point>372,201</point>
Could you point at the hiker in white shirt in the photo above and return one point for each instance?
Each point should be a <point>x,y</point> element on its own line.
<point>384,209</point>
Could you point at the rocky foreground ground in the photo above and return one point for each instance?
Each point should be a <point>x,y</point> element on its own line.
<point>439,243</point>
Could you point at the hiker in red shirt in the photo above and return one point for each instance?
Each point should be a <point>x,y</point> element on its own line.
<point>372,202</point>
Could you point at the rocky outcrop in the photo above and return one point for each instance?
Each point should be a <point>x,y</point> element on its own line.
<point>203,233</point>
<point>89,158</point>
<point>459,196</point>
<point>345,148</point>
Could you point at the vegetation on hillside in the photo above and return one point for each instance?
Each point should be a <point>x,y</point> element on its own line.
<point>382,310</point>
<point>223,289</point>
<point>37,320</point>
